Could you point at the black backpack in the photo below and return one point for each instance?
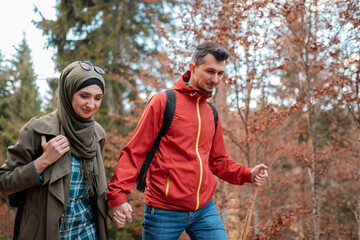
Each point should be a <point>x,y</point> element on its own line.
<point>167,119</point>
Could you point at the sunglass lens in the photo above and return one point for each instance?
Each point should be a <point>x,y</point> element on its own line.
<point>85,65</point>
<point>88,66</point>
<point>99,70</point>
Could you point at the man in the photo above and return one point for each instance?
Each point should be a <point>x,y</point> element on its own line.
<point>180,180</point>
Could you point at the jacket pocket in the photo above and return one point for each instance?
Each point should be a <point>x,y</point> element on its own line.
<point>30,228</point>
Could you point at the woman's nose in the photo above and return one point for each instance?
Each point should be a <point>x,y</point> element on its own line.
<point>90,103</point>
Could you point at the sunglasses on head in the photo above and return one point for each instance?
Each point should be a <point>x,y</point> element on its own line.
<point>88,66</point>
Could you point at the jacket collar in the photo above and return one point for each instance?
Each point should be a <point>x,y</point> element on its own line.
<point>182,86</point>
<point>49,124</point>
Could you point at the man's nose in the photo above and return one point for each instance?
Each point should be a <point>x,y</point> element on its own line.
<point>216,79</point>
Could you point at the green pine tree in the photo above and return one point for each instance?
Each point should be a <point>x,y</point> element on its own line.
<point>117,35</point>
<point>19,100</point>
<point>4,84</point>
<point>4,96</point>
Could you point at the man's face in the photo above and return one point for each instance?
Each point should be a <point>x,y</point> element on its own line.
<point>208,75</point>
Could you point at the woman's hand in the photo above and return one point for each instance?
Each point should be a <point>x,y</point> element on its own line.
<point>53,150</point>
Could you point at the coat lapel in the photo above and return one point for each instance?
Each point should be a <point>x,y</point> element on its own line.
<point>49,125</point>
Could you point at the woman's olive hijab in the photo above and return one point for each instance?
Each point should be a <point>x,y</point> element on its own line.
<point>80,132</point>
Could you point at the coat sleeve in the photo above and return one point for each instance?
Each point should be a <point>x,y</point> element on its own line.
<point>222,165</point>
<point>134,153</point>
<point>18,172</point>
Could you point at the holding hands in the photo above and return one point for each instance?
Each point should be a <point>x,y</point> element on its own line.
<point>121,214</point>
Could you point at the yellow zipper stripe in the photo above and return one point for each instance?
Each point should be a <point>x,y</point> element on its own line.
<point>167,186</point>
<point>197,152</point>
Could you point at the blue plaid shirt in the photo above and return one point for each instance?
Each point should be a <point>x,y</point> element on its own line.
<point>79,222</point>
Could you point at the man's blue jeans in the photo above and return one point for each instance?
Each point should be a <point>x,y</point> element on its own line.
<point>167,224</point>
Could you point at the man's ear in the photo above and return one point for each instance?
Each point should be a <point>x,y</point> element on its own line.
<point>191,66</point>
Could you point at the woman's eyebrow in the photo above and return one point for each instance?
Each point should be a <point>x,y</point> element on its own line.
<point>85,92</point>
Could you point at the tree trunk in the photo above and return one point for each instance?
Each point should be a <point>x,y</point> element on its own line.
<point>357,210</point>
<point>314,178</point>
<point>219,99</point>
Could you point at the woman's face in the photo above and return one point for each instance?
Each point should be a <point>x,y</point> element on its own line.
<point>86,101</point>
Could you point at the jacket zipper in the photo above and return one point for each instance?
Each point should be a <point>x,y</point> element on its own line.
<point>199,157</point>
<point>167,186</point>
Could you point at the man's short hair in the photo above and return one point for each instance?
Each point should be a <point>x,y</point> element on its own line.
<point>213,48</point>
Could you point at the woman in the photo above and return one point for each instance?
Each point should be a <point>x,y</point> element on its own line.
<point>57,163</point>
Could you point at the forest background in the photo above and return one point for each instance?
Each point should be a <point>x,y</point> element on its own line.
<point>290,99</point>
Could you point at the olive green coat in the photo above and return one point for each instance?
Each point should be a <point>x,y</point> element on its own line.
<point>45,201</point>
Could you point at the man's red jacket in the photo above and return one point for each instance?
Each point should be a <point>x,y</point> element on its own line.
<point>181,175</point>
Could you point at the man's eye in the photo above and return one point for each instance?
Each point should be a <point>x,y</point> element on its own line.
<point>98,98</point>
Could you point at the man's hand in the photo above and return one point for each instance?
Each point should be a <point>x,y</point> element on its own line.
<point>121,214</point>
<point>257,178</point>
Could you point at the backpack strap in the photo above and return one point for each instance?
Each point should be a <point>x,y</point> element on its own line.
<point>167,119</point>
<point>168,113</point>
<point>215,115</point>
